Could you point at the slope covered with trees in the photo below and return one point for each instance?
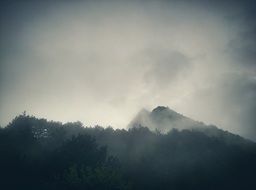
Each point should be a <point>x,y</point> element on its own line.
<point>40,154</point>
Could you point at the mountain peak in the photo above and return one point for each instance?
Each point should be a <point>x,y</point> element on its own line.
<point>162,118</point>
<point>165,112</point>
<point>160,108</point>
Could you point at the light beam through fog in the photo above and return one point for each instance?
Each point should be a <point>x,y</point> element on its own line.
<point>101,62</point>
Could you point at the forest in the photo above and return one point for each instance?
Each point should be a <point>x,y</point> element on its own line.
<point>41,154</point>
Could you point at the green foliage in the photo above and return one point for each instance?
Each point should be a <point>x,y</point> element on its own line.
<point>94,178</point>
<point>38,154</point>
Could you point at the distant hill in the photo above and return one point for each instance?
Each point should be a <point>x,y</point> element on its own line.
<point>164,119</point>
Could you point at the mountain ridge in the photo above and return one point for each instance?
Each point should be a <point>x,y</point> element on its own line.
<point>163,119</point>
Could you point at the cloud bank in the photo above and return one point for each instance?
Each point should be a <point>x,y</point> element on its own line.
<point>102,61</point>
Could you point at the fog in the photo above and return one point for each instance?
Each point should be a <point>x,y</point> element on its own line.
<point>100,62</point>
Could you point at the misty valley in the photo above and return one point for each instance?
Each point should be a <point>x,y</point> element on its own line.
<point>160,149</point>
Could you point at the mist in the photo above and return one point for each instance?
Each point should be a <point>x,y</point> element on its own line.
<point>101,62</point>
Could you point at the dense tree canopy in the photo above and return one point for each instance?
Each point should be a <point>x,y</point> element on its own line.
<point>40,154</point>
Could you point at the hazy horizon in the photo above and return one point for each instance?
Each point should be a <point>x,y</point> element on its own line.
<point>101,62</point>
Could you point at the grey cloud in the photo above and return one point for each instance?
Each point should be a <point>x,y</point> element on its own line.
<point>102,61</point>
<point>231,102</point>
<point>165,66</point>
<point>240,92</point>
<point>243,48</point>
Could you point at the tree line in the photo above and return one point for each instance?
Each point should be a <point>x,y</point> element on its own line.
<point>40,154</point>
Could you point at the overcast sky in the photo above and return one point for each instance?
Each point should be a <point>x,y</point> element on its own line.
<point>100,62</point>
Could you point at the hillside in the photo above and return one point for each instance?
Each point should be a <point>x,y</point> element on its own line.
<point>164,119</point>
<point>40,154</point>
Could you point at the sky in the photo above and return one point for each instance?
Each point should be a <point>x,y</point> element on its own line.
<point>100,62</point>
